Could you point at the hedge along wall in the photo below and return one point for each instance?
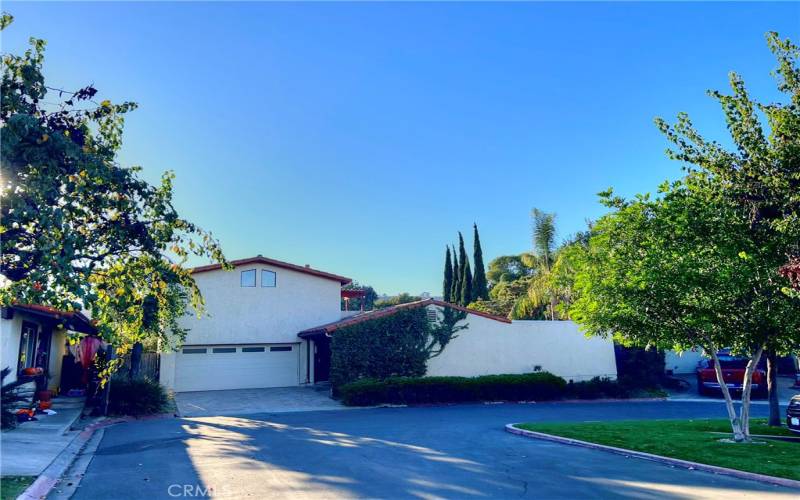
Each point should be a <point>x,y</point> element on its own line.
<point>391,346</point>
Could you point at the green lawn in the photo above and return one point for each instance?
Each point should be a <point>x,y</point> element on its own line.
<point>12,486</point>
<point>694,440</point>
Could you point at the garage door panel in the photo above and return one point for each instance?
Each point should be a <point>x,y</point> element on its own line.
<point>242,367</point>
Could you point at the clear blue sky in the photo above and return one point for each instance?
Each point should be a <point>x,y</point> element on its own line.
<point>359,138</point>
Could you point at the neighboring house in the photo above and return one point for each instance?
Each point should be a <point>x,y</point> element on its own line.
<point>269,324</point>
<point>35,336</point>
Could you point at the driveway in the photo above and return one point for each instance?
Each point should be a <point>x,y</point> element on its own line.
<point>786,390</point>
<point>250,401</point>
<point>429,452</point>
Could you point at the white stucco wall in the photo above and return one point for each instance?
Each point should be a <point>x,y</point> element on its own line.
<point>258,315</point>
<point>242,315</point>
<point>682,362</point>
<point>492,347</point>
<point>10,331</point>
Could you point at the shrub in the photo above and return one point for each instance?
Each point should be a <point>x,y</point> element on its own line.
<point>390,346</point>
<point>136,397</point>
<point>639,368</point>
<point>597,388</point>
<point>420,390</point>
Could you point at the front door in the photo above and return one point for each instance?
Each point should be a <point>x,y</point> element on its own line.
<point>34,347</point>
<point>322,359</point>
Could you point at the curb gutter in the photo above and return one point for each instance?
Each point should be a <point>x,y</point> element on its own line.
<point>43,484</point>
<point>685,464</point>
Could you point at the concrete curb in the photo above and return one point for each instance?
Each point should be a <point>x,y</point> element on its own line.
<point>43,484</point>
<point>675,462</point>
<point>706,400</point>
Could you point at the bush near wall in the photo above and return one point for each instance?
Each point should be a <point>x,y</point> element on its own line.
<point>639,368</point>
<point>598,388</point>
<point>392,346</point>
<point>136,397</point>
<point>540,386</point>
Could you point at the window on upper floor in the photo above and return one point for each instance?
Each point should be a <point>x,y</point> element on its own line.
<point>248,278</point>
<point>268,279</point>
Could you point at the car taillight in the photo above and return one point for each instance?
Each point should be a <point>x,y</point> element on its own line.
<point>757,377</point>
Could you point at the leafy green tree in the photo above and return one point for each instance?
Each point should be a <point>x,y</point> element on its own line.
<point>503,297</point>
<point>761,176</point>
<point>79,231</point>
<point>681,271</point>
<point>507,268</point>
<point>403,298</point>
<point>480,289</point>
<point>701,265</point>
<point>447,285</point>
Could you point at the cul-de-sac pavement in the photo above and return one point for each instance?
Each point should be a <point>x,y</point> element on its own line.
<point>458,451</point>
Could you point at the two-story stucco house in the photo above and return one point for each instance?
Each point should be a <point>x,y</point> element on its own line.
<point>248,339</point>
<point>270,324</point>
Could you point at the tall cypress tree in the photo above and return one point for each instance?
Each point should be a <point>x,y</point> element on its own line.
<point>479,288</point>
<point>466,284</point>
<point>447,286</point>
<point>455,291</point>
<point>465,275</point>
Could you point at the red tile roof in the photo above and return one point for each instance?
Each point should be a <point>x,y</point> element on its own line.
<point>381,313</point>
<point>75,320</point>
<point>276,263</point>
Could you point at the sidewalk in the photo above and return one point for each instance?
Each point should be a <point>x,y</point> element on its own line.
<point>31,447</point>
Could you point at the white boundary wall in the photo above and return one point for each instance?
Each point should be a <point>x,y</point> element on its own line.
<point>490,347</point>
<point>683,362</point>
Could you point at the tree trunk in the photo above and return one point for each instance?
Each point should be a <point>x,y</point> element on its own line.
<point>747,387</point>
<point>772,387</point>
<point>736,426</point>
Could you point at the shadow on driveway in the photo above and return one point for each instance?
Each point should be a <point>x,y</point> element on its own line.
<point>434,452</point>
<point>252,401</point>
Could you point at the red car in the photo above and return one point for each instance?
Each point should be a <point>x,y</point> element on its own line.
<point>733,369</point>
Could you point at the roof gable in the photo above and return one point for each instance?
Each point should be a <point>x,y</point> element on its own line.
<point>276,263</point>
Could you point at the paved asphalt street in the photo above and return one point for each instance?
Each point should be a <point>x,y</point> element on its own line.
<point>424,452</point>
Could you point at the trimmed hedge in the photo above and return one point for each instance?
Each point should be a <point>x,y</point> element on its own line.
<point>540,386</point>
<point>390,346</point>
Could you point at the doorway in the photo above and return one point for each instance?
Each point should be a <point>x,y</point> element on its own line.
<point>322,359</point>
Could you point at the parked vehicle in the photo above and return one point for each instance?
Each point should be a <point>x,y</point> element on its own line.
<point>793,414</point>
<point>733,370</point>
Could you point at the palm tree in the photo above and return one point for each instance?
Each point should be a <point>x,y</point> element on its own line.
<point>540,299</point>
<point>544,237</point>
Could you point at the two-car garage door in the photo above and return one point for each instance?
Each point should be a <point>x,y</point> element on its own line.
<point>217,367</point>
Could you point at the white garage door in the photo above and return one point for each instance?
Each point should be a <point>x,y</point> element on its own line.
<point>210,368</point>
